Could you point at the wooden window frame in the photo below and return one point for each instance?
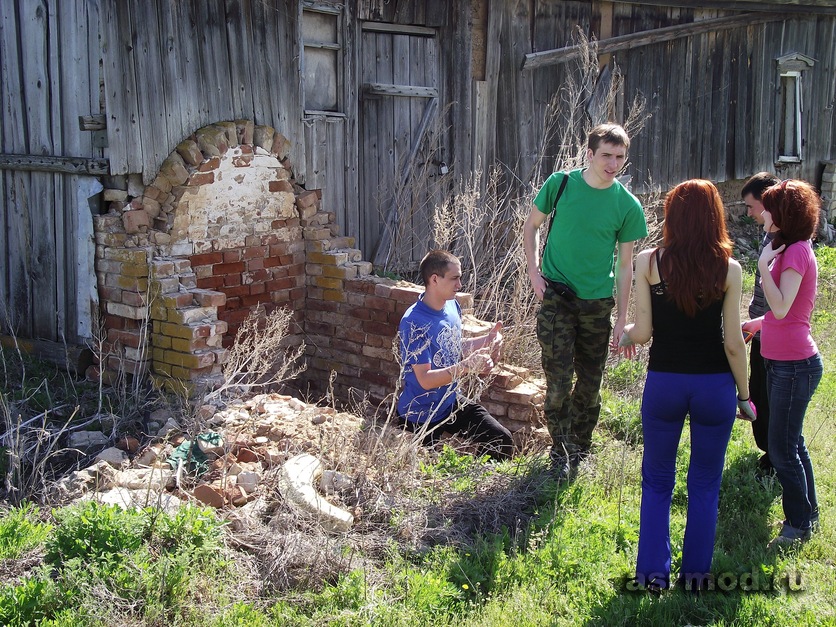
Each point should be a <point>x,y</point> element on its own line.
<point>336,10</point>
<point>790,118</point>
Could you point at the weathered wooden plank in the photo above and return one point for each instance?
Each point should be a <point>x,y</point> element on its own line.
<point>334,185</point>
<point>408,91</point>
<point>645,38</point>
<point>96,122</point>
<point>148,65</point>
<point>402,140</point>
<point>15,307</point>
<point>238,29</point>
<point>194,107</point>
<point>822,7</point>
<point>402,29</point>
<point>34,31</point>
<point>350,127</point>
<point>48,163</point>
<point>75,358</point>
<point>263,34</point>
<point>124,138</point>
<point>369,143</point>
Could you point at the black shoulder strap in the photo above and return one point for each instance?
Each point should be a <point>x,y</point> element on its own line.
<point>554,209</point>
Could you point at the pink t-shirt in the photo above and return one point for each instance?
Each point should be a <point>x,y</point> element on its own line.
<point>789,339</point>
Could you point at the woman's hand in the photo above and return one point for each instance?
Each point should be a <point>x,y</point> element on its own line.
<point>746,409</point>
<point>769,253</point>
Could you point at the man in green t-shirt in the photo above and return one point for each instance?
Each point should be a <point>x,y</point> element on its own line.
<point>595,217</point>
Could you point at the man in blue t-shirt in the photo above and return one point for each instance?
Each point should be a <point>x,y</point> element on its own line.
<point>434,358</point>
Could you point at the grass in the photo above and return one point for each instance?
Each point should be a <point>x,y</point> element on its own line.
<point>443,539</point>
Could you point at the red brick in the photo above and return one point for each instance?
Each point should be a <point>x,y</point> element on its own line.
<point>210,164</point>
<point>210,282</point>
<point>243,161</point>
<point>232,279</point>
<point>379,316</point>
<point>237,290</point>
<point>234,317</point>
<point>379,328</point>
<point>276,250</point>
<point>258,288</point>
<point>280,186</point>
<point>307,198</point>
<point>256,276</point>
<point>376,302</point>
<point>205,259</point>
<point>231,256</point>
<point>255,264</point>
<point>323,305</point>
<point>231,303</point>
<point>229,268</point>
<point>256,299</point>
<point>375,377</point>
<point>204,178</point>
<point>360,313</point>
<point>254,251</point>
<point>281,284</point>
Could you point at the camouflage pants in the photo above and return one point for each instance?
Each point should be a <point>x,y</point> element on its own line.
<point>574,337</point>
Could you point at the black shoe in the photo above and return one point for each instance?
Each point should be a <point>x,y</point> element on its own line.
<point>764,467</point>
<point>560,468</point>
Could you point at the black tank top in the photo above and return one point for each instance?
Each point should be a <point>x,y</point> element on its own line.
<point>683,344</point>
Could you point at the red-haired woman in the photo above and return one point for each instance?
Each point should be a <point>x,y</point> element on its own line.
<point>687,292</point>
<point>793,364</point>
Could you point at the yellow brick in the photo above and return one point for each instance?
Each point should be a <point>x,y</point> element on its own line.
<point>328,283</point>
<point>335,259</point>
<point>132,283</point>
<point>333,295</point>
<point>135,269</point>
<point>162,368</point>
<point>160,341</point>
<point>340,272</point>
<point>158,355</point>
<point>182,345</point>
<point>176,330</point>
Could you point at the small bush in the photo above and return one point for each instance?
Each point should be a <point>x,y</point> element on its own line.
<point>20,531</point>
<point>90,531</point>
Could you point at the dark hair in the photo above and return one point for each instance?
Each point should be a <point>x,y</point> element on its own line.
<point>794,206</point>
<point>697,246</point>
<point>757,183</point>
<point>607,134</point>
<point>436,262</point>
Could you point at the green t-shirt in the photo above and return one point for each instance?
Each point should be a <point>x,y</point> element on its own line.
<point>589,222</point>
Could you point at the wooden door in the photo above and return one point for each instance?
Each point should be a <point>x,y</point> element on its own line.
<point>399,74</point>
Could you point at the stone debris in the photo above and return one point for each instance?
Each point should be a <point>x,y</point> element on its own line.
<point>296,484</point>
<point>260,437</point>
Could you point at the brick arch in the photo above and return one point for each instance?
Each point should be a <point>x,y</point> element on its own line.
<point>232,214</point>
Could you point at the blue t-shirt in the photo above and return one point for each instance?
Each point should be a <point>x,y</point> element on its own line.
<point>428,336</point>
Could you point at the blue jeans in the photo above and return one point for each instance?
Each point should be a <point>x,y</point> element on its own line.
<point>791,385</point>
<point>711,401</point>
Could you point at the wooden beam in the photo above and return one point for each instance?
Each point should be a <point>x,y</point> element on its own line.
<point>92,122</point>
<point>821,7</point>
<point>411,91</point>
<point>48,163</point>
<point>647,37</point>
<point>73,358</point>
<point>398,29</point>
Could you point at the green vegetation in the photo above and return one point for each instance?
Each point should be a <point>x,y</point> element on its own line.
<point>567,562</point>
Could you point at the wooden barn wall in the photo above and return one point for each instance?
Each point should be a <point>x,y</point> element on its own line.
<point>713,97</point>
<point>522,97</point>
<point>172,67</point>
<point>49,76</point>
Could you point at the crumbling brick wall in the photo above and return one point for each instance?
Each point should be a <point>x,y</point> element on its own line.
<point>224,228</point>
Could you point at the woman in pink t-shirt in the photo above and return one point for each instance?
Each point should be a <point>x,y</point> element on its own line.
<point>793,365</point>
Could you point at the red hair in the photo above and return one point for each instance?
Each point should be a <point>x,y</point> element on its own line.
<point>697,246</point>
<point>794,206</point>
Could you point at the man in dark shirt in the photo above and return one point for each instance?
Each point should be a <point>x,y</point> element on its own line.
<point>751,194</point>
